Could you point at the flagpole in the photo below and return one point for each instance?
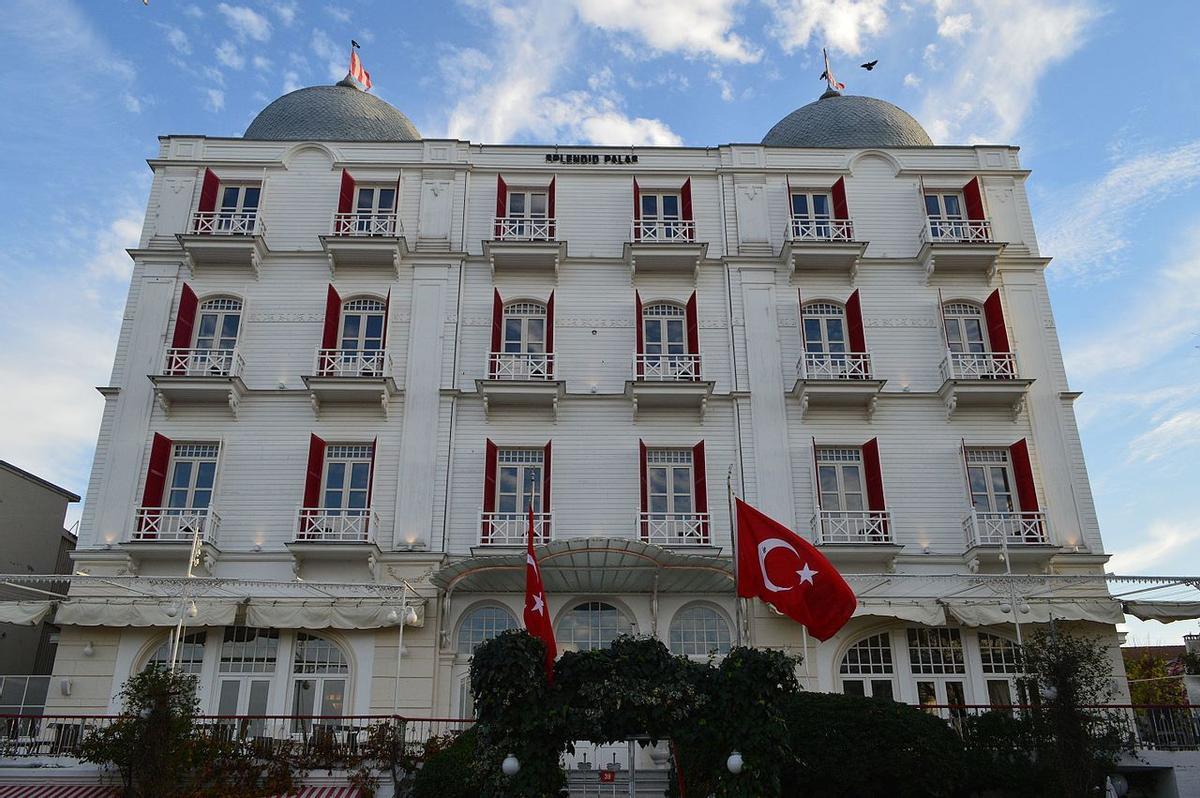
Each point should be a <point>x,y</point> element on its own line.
<point>737,600</point>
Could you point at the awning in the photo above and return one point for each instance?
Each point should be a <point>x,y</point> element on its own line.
<point>330,615</point>
<point>56,791</point>
<point>593,565</point>
<point>24,613</point>
<point>929,613</point>
<point>991,612</point>
<point>323,792</point>
<point>133,612</point>
<point>1165,611</point>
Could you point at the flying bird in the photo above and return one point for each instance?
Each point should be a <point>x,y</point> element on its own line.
<point>869,65</point>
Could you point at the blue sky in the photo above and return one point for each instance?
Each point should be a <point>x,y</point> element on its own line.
<point>1103,98</point>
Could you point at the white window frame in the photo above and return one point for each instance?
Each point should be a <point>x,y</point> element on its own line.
<point>956,316</point>
<point>362,308</point>
<point>602,629</point>
<point>659,214</point>
<point>663,317</point>
<point>841,461</point>
<point>376,190</point>
<point>528,198</point>
<point>349,456</point>
<point>524,312</point>
<point>670,462</point>
<point>869,663</point>
<point>529,466</point>
<point>321,665</point>
<point>220,310</point>
<point>481,623</point>
<point>195,455</point>
<point>825,313</point>
<point>699,631</point>
<point>943,205</point>
<point>810,204</point>
<point>191,653</point>
<point>945,672</point>
<point>999,663</point>
<point>248,673</point>
<point>987,462</point>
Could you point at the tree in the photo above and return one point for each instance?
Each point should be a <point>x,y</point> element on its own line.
<point>1155,679</point>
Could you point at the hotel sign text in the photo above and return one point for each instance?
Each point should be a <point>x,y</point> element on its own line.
<point>589,158</point>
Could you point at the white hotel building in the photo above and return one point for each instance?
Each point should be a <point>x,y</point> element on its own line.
<point>353,356</point>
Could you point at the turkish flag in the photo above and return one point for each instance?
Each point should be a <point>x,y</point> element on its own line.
<point>789,573</point>
<point>537,614</point>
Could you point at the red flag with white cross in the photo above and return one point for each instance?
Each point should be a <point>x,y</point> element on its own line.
<point>789,573</point>
<point>537,614</point>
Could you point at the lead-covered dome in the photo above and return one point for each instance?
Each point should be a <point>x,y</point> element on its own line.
<point>331,113</point>
<point>838,120</point>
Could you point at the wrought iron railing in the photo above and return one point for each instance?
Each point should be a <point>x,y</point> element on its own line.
<point>955,229</point>
<point>228,223</point>
<point>670,231</point>
<point>336,524</point>
<point>522,228</point>
<point>835,366</point>
<point>820,228</point>
<point>351,362</point>
<point>521,365</point>
<point>674,529</point>
<point>512,529</point>
<point>203,363</point>
<point>667,368</point>
<point>1005,528</point>
<point>365,224</point>
<point>175,524</point>
<point>853,526</point>
<point>979,366</point>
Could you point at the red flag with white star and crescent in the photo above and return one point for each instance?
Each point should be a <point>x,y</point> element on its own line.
<point>537,614</point>
<point>789,573</point>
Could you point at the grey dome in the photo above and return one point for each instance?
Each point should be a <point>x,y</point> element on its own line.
<point>836,120</point>
<point>331,113</point>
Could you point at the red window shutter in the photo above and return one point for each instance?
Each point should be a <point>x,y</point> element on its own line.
<point>489,477</point>
<point>639,334</point>
<point>156,472</point>
<point>185,318</point>
<point>208,192</point>
<point>346,195</point>
<point>645,487</point>
<point>501,202</point>
<point>993,316</point>
<point>841,209</point>
<point>973,199</point>
<point>333,319</point>
<point>550,205</point>
<point>550,324</point>
<point>637,201</point>
<point>497,328</point>
<point>312,476</point>
<point>1023,472</point>
<point>546,478</point>
<point>387,311</point>
<point>693,326</point>
<point>874,475</point>
<point>685,205</point>
<point>855,333</point>
<point>700,481</point>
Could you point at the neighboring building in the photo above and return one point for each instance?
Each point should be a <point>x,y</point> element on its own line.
<point>33,540</point>
<point>353,355</point>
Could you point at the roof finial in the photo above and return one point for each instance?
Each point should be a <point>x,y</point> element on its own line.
<point>834,88</point>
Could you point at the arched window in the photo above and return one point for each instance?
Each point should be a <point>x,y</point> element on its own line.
<point>482,624</point>
<point>524,328</point>
<point>319,674</point>
<point>246,669</point>
<point>698,631</point>
<point>867,668</point>
<point>218,321</point>
<point>935,656</point>
<point>664,330</point>
<point>824,328</point>
<point>965,328</point>
<point>592,625</point>
<point>362,325</point>
<point>1000,660</point>
<point>191,654</point>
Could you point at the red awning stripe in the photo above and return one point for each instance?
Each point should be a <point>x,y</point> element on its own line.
<point>56,791</point>
<point>322,792</point>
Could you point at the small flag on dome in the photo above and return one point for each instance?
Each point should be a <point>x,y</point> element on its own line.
<point>827,75</point>
<point>360,76</point>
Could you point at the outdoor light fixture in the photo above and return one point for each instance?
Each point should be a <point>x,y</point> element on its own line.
<point>393,617</point>
<point>410,616</point>
<point>734,763</point>
<point>88,649</point>
<point>171,611</point>
<point>193,610</point>
<point>510,766</point>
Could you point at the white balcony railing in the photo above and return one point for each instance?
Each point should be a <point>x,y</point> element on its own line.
<point>1007,528</point>
<point>351,362</point>
<point>979,366</point>
<point>228,223</point>
<point>336,525</point>
<point>667,368</point>
<point>835,366</point>
<point>674,529</point>
<point>820,228</point>
<point>853,526</point>
<point>203,363</point>
<point>670,231</point>
<point>521,228</point>
<point>955,229</point>
<point>512,529</point>
<point>521,366</point>
<point>365,224</point>
<point>175,524</point>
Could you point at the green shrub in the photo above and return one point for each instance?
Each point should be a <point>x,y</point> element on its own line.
<point>450,773</point>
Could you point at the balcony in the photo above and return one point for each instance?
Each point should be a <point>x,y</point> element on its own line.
<point>200,377</point>
<point>499,530</point>
<point>521,243</point>
<point>836,380</point>
<point>670,382</point>
<point>860,536</point>
<point>820,243</point>
<point>520,379</point>
<point>225,238</point>
<point>658,246</point>
<point>954,244</point>
<point>364,239</point>
<point>169,533</point>
<point>672,530</point>
<point>335,534</point>
<point>1023,537</point>
<point>351,377</point>
<point>982,379</point>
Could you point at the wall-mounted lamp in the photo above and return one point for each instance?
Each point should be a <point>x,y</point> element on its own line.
<point>88,649</point>
<point>65,686</point>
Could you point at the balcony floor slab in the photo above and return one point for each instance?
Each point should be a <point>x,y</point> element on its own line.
<point>823,256</point>
<point>960,256</point>
<point>829,394</point>
<point>516,394</point>
<point>663,257</point>
<point>352,253</point>
<point>171,390</point>
<point>1008,394</point>
<point>668,395</point>
<point>366,391</point>
<point>540,256</point>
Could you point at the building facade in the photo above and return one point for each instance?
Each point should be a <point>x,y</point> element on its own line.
<point>352,359</point>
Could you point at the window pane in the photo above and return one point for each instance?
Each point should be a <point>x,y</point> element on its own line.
<point>978,480</point>
<point>931,205</point>
<point>366,199</point>
<point>851,479</point>
<point>1000,480</point>
<point>830,501</point>
<point>675,331</point>
<point>374,326</point>
<point>335,475</point>
<point>302,700</point>
<point>507,504</point>
<point>799,205</point>
<point>387,197</point>
<point>333,697</point>
<point>207,326</point>
<point>509,479</point>
<point>820,204</point>
<point>882,688</point>
<point>828,479</point>
<point>350,326</point>
<point>952,206</point>
<point>536,335</point>
<point>205,474</point>
<point>649,205</point>
<point>229,198</point>
<point>258,697</point>
<point>955,695</point>
<point>182,477</point>
<point>250,201</point>
<point>670,205</point>
<point>926,694</point>
<point>653,331</point>
<point>836,328</point>
<point>854,502</point>
<point>658,480</point>
<point>999,693</point>
<point>516,204</point>
<point>812,334</point>
<point>229,325</point>
<point>512,335</point>
<point>537,205</point>
<point>360,476</point>
<point>227,703</point>
<point>853,687</point>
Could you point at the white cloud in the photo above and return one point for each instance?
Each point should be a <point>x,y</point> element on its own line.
<point>335,58</point>
<point>261,63</point>
<point>696,27</point>
<point>717,77</point>
<point>342,15</point>
<point>246,22</point>
<point>228,55</point>
<point>178,40</point>
<point>291,81</point>
<point>285,10</point>
<point>215,99</point>
<point>132,103</point>
<point>1180,431</point>
<point>998,64</point>
<point>1089,227</point>
<point>193,11</point>
<point>912,81</point>
<point>1164,539</point>
<point>840,24</point>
